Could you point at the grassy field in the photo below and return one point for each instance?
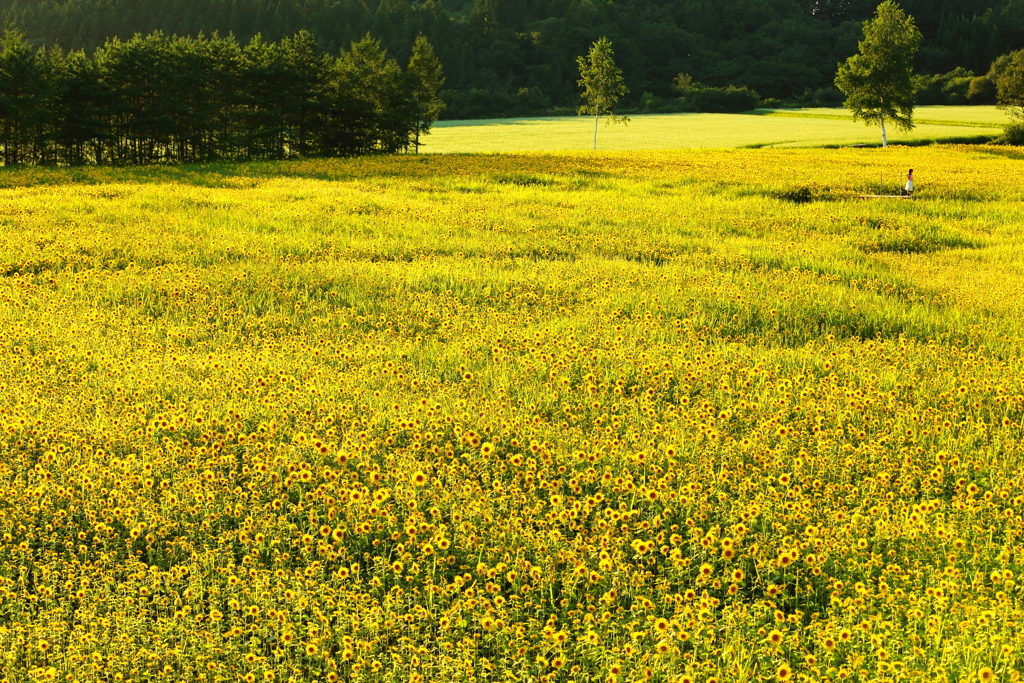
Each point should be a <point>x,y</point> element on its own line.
<point>958,116</point>
<point>688,416</point>
<point>766,128</point>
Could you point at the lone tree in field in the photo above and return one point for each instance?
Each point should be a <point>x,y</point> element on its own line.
<point>878,82</point>
<point>602,83</point>
<point>425,78</point>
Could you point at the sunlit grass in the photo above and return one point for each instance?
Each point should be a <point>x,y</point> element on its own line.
<point>785,128</point>
<point>985,116</point>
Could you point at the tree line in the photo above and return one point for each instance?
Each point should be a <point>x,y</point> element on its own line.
<point>878,82</point>
<point>156,98</point>
<point>517,57</point>
<point>880,85</point>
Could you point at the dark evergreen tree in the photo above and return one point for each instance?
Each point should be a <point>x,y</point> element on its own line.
<point>258,118</point>
<point>426,78</point>
<point>134,72</point>
<point>80,102</point>
<point>24,89</point>
<point>305,82</point>
<point>376,82</point>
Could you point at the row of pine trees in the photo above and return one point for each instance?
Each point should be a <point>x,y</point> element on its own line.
<point>160,99</point>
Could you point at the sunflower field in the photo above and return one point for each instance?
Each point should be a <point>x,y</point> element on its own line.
<point>671,416</point>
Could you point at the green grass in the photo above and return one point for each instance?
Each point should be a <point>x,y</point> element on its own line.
<point>766,128</point>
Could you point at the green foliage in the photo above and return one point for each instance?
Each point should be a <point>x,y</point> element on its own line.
<point>304,89</point>
<point>426,80</point>
<point>78,103</point>
<point>26,85</point>
<point>719,100</point>
<point>601,80</point>
<point>797,195</point>
<point>682,83</point>
<point>951,88</point>
<point>697,97</point>
<point>157,99</point>
<point>1013,134</point>
<point>878,81</point>
<point>1007,73</point>
<point>602,83</point>
<point>981,91</point>
<point>492,50</point>
<point>375,82</point>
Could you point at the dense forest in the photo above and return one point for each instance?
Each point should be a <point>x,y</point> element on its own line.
<point>158,99</point>
<point>517,57</point>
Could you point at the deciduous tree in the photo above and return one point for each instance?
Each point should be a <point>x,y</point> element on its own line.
<point>878,81</point>
<point>602,83</point>
<point>1007,73</point>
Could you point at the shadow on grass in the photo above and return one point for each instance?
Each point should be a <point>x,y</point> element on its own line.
<point>955,140</point>
<point>1007,152</point>
<point>762,145</point>
<point>247,174</point>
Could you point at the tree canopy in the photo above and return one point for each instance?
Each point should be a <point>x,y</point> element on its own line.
<point>426,78</point>
<point>602,83</point>
<point>1007,73</point>
<point>878,81</point>
<point>156,98</point>
<point>517,57</point>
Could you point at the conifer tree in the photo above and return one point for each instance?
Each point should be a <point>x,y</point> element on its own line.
<point>156,99</point>
<point>307,70</point>
<point>425,80</point>
<point>375,81</point>
<point>262,96</point>
<point>23,90</point>
<point>80,104</point>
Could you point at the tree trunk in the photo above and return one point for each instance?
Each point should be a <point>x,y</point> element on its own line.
<point>16,147</point>
<point>884,141</point>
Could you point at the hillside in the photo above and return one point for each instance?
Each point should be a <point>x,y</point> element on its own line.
<point>516,57</point>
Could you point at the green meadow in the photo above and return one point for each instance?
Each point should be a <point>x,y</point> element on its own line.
<point>763,128</point>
